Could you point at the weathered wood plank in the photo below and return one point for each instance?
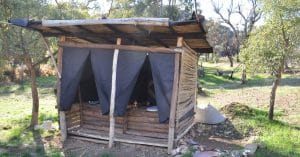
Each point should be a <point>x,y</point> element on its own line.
<point>147,134</point>
<point>120,47</point>
<point>174,97</point>
<point>129,21</point>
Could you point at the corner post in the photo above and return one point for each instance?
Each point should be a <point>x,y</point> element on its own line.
<point>62,116</point>
<point>174,97</point>
<point>112,97</point>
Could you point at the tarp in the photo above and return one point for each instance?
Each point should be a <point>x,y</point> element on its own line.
<point>163,74</point>
<point>76,60</point>
<point>102,67</point>
<point>129,66</point>
<point>72,66</point>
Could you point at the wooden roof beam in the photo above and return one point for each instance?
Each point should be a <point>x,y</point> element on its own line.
<point>157,35</point>
<point>122,34</point>
<point>94,33</point>
<point>152,38</point>
<point>70,33</point>
<point>175,32</point>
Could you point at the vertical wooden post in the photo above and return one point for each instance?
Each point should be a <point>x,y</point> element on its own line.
<point>62,116</point>
<point>112,96</point>
<point>174,98</point>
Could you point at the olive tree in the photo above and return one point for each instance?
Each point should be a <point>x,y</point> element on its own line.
<point>272,44</point>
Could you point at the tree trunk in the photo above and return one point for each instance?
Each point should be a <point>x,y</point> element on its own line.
<point>244,76</point>
<point>273,91</point>
<point>230,60</point>
<point>34,91</point>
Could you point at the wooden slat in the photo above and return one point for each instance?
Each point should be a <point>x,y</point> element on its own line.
<point>143,119</point>
<point>121,47</point>
<point>120,137</point>
<point>138,113</point>
<point>129,21</point>
<point>146,127</point>
<point>147,134</point>
<point>185,125</point>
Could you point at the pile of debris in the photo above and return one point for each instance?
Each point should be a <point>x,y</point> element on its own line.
<point>198,150</point>
<point>211,124</point>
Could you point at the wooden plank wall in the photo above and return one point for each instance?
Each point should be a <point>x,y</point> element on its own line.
<point>144,123</point>
<point>187,91</point>
<point>73,117</point>
<point>137,121</point>
<point>92,118</point>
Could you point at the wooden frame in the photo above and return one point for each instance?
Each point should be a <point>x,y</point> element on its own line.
<point>183,55</point>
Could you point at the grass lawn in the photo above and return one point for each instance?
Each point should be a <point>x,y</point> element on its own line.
<point>280,137</point>
<point>15,108</point>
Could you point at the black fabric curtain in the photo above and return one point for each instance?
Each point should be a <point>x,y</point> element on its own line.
<point>101,60</point>
<point>163,74</point>
<point>129,66</point>
<point>72,66</point>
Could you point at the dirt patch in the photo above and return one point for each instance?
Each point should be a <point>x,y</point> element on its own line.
<point>74,147</point>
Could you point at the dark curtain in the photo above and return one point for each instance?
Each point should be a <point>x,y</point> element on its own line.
<point>72,66</point>
<point>87,83</point>
<point>101,60</point>
<point>163,74</point>
<point>129,66</point>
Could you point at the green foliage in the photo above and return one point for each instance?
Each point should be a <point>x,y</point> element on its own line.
<point>271,44</point>
<point>150,8</point>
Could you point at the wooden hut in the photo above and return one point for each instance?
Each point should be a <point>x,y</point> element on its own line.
<point>105,67</point>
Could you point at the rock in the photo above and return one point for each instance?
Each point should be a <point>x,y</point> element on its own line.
<point>36,127</point>
<point>250,149</point>
<point>47,125</point>
<point>206,154</point>
<point>175,151</point>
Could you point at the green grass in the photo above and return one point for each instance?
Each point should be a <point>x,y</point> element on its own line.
<point>281,136</point>
<point>15,109</point>
<point>280,139</point>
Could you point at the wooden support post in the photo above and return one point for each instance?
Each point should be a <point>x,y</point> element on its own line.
<point>112,96</point>
<point>63,125</point>
<point>174,98</point>
<point>52,57</point>
<point>62,116</point>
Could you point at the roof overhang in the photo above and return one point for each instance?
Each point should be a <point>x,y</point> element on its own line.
<point>160,32</point>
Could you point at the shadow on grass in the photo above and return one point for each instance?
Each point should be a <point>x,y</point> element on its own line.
<point>24,141</point>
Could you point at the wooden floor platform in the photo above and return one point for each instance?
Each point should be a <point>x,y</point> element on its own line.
<point>126,138</point>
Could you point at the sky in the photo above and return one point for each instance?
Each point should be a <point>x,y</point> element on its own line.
<point>208,11</point>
